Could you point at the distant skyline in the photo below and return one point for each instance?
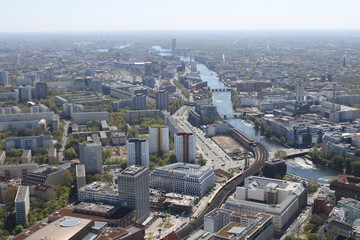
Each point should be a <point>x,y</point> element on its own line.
<point>125,15</point>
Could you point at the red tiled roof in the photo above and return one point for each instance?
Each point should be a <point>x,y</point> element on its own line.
<point>171,236</point>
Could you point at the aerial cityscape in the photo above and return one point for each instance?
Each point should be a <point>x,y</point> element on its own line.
<point>123,127</point>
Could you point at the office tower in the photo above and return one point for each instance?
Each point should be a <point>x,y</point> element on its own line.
<point>91,156</point>
<point>162,100</point>
<point>133,188</point>
<point>299,93</point>
<point>138,152</point>
<point>344,62</point>
<point>158,139</point>
<point>41,90</point>
<point>4,79</point>
<point>185,147</point>
<point>50,74</point>
<point>80,176</point>
<point>25,93</point>
<point>139,101</point>
<point>173,44</point>
<point>22,204</point>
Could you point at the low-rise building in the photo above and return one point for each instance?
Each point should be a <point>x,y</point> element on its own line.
<point>225,224</point>
<point>29,143</point>
<point>99,192</point>
<point>347,187</point>
<point>282,199</point>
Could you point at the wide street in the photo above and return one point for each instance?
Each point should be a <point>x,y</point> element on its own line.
<point>214,155</point>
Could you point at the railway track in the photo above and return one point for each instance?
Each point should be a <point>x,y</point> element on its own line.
<point>260,155</point>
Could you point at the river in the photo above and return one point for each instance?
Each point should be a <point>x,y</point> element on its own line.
<point>222,100</point>
<point>297,166</point>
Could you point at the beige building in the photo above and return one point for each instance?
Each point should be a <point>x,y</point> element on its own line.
<point>52,156</point>
<point>26,157</point>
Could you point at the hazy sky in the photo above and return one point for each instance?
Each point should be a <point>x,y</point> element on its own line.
<point>114,15</point>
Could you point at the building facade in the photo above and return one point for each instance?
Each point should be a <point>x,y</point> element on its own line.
<point>158,139</point>
<point>138,152</point>
<point>22,204</point>
<point>29,143</point>
<point>189,179</point>
<point>185,147</point>
<point>133,188</point>
<point>282,199</point>
<point>139,101</point>
<point>162,100</point>
<point>80,176</point>
<point>91,156</point>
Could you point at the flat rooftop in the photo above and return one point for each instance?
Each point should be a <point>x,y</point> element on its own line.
<point>94,207</point>
<point>350,202</point>
<point>186,168</point>
<point>80,170</point>
<point>231,230</point>
<point>21,193</point>
<point>132,170</point>
<point>63,228</point>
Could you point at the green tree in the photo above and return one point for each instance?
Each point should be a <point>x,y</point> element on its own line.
<point>348,165</point>
<point>313,186</point>
<point>314,154</point>
<point>68,178</point>
<point>133,133</point>
<point>106,154</point>
<point>201,160</point>
<point>123,165</point>
<point>332,233</point>
<point>280,154</point>
<point>57,145</point>
<point>70,153</point>
<point>355,166</point>
<point>10,195</point>
<point>313,236</point>
<point>338,162</point>
<point>108,177</point>
<point>172,158</point>
<point>41,159</point>
<point>93,123</point>
<point>18,229</point>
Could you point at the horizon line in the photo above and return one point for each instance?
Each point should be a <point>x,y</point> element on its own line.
<point>183,30</point>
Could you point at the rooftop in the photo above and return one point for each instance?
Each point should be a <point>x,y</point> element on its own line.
<point>63,228</point>
<point>132,170</point>
<point>94,207</point>
<point>21,193</point>
<point>186,168</point>
<point>80,170</point>
<point>350,202</point>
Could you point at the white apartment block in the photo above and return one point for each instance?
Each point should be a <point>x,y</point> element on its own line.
<point>138,152</point>
<point>158,139</point>
<point>185,147</point>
